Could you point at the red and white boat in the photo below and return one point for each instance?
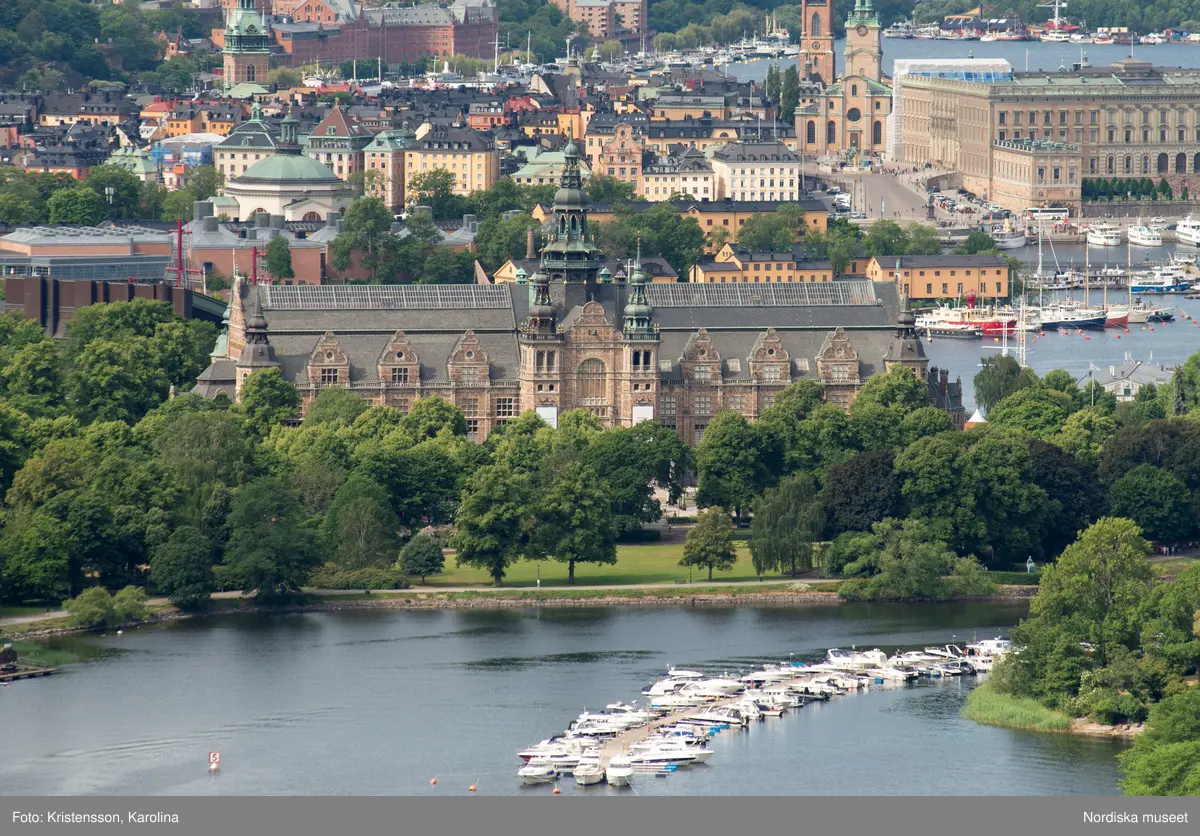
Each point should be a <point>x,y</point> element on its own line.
<point>1116,318</point>
<point>990,323</point>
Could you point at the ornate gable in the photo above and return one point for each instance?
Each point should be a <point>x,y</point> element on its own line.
<point>770,361</point>
<point>328,365</point>
<point>468,364</point>
<point>591,323</point>
<point>838,360</point>
<point>398,363</point>
<point>701,361</point>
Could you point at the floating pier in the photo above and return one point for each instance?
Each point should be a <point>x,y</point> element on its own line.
<point>26,673</point>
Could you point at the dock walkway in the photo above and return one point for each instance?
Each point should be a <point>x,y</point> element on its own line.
<point>26,673</point>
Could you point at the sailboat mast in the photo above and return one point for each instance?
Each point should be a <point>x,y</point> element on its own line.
<point>1129,272</point>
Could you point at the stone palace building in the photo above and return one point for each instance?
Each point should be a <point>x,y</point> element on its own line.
<point>572,337</point>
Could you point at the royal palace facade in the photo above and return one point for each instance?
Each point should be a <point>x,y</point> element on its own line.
<point>572,337</point>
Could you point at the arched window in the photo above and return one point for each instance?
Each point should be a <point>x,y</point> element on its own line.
<point>877,133</point>
<point>590,387</point>
<point>1128,164</point>
<point>853,89</point>
<point>250,72</point>
<point>810,132</point>
<point>1112,167</point>
<point>1145,163</point>
<point>1163,164</point>
<point>1196,164</point>
<point>311,216</point>
<point>1181,163</point>
<point>815,30</point>
<point>831,132</point>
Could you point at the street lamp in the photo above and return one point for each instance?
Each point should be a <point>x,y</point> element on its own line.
<point>109,192</point>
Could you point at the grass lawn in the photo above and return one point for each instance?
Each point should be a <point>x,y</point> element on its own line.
<point>988,706</point>
<point>1173,566</point>
<point>657,563</point>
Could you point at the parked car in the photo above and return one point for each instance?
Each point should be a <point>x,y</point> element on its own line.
<point>858,216</point>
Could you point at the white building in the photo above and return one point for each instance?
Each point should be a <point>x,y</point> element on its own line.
<point>963,69</point>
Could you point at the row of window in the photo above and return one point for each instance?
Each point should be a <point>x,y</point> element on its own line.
<point>1162,164</point>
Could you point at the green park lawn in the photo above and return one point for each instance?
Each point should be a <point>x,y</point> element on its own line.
<point>635,564</point>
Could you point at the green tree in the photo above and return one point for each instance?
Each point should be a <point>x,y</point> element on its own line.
<point>495,521</point>
<point>16,210</point>
<point>1095,589</point>
<point>977,242</point>
<point>279,258</point>
<point>861,492</point>
<point>360,528</point>
<point>574,517</point>
<point>335,405</point>
<point>789,94</point>
<point>733,462</point>
<point>366,229</point>
<point>773,85</point>
<point>923,240</point>
<point>269,552</point>
<point>908,562</point>
<point>1154,499</point>
<point>885,238</point>
<point>430,416</point>
<point>422,556</point>
<point>205,181</point>
<point>499,240</point>
<point>268,399</point>
<point>129,604</point>
<point>77,206</point>
<point>92,608</point>
<point>897,387</point>
<point>1040,412</point>
<point>182,568</point>
<point>601,188</point>
<point>1085,433</point>
<point>435,189</point>
<point>117,381</point>
<point>710,542</point>
<point>178,206</point>
<point>126,189</point>
<point>787,521</point>
<point>998,378</point>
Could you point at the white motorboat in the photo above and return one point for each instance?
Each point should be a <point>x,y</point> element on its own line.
<point>1008,237</point>
<point>1141,235</point>
<point>619,772</point>
<point>537,771</point>
<point>553,746</point>
<point>1103,234</point>
<point>992,648</point>
<point>589,771</point>
<point>1187,231</point>
<point>658,756</point>
<point>1165,278</point>
<point>665,748</point>
<point>855,659</point>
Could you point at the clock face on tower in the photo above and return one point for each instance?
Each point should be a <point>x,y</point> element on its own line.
<point>861,29</point>
<point>816,45</point>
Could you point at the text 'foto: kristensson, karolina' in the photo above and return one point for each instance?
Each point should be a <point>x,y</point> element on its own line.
<point>64,817</point>
<point>1136,818</point>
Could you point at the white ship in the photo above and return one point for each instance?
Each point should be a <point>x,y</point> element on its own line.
<point>1188,231</point>
<point>1102,234</point>
<point>1141,235</point>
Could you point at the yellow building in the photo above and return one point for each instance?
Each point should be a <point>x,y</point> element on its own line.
<point>733,265</point>
<point>929,278</point>
<point>470,156</point>
<point>711,215</point>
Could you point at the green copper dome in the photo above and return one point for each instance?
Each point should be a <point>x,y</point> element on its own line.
<point>290,168</point>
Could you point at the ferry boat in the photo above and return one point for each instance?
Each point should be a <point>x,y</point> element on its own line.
<point>1103,235</point>
<point>962,321</point>
<point>933,326</point>
<point>899,29</point>
<point>927,32</point>
<point>1187,231</point>
<point>1162,279</point>
<point>1008,237</point>
<point>1141,235</point>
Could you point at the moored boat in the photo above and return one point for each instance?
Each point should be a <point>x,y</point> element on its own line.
<point>1103,234</point>
<point>1141,235</point>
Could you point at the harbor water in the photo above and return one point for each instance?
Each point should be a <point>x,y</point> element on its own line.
<point>382,702</point>
<point>1032,55</point>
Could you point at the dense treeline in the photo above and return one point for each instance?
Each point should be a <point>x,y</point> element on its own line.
<point>110,483</point>
<point>1052,459</point>
<point>47,45</point>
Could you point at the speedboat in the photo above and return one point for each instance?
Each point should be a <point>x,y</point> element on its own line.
<point>619,772</point>
<point>854,659</point>
<point>660,755</point>
<point>1103,234</point>
<point>553,746</point>
<point>991,648</point>
<point>1141,235</point>
<point>589,771</point>
<point>537,771</point>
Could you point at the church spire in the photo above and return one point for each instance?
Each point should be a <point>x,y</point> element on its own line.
<point>637,313</point>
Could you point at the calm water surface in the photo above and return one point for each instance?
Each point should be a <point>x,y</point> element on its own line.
<point>377,703</point>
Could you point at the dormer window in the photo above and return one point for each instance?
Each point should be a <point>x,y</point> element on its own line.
<point>329,377</point>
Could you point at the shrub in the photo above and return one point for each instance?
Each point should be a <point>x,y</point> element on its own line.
<point>374,577</point>
<point>130,605</point>
<point>95,608</point>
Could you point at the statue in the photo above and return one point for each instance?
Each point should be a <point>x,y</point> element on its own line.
<point>1030,565</point>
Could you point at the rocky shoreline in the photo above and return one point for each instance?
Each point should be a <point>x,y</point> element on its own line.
<point>501,600</point>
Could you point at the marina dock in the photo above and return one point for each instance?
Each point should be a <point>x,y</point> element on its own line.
<point>26,673</point>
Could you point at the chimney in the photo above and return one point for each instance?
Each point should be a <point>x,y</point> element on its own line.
<point>210,223</point>
<point>333,218</point>
<point>202,209</point>
<point>262,220</point>
<point>530,255</point>
<point>470,223</point>
<point>277,222</point>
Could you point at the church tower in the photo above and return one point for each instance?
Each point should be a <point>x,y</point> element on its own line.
<point>816,47</point>
<point>864,45</point>
<point>570,254</point>
<point>247,45</point>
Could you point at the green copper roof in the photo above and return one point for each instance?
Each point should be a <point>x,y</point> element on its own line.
<point>290,168</point>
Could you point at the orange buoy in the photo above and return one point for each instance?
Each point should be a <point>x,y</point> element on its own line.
<point>1126,330</point>
<point>1042,334</point>
<point>471,788</point>
<point>557,791</point>
<point>432,782</point>
<point>1087,338</point>
<point>1118,336</point>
